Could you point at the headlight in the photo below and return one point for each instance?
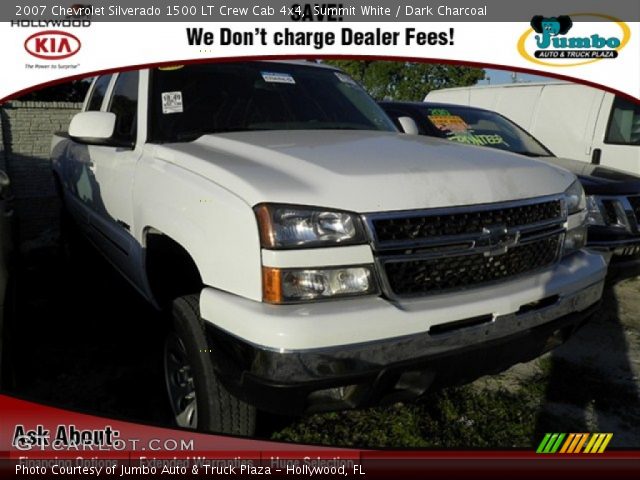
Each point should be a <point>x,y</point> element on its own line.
<point>299,285</point>
<point>575,198</point>
<point>290,226</point>
<point>594,214</point>
<point>576,236</point>
<point>575,239</point>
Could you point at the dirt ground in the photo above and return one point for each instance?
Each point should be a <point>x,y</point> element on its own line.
<point>592,381</point>
<point>87,342</point>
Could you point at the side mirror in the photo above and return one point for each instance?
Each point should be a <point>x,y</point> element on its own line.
<point>409,125</point>
<point>96,128</point>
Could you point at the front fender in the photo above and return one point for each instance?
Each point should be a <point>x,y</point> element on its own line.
<point>217,228</point>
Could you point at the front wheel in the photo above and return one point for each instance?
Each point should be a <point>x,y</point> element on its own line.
<point>197,399</point>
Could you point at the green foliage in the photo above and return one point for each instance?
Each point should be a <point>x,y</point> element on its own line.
<point>395,426</point>
<point>73,91</point>
<point>407,80</point>
<point>460,417</point>
<point>478,415</point>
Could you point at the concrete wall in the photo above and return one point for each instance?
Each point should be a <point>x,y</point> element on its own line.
<point>27,128</point>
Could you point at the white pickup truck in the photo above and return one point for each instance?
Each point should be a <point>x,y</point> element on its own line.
<point>312,256</point>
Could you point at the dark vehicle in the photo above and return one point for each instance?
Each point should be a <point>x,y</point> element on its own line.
<point>613,196</point>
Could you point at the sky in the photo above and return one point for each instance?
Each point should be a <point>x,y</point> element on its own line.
<point>504,76</point>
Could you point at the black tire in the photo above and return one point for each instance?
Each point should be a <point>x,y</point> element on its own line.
<point>217,409</point>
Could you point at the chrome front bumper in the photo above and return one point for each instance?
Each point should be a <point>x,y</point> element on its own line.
<point>401,368</point>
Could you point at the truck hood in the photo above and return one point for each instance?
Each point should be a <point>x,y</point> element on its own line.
<point>362,171</point>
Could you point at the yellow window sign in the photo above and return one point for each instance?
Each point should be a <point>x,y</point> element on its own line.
<point>452,123</point>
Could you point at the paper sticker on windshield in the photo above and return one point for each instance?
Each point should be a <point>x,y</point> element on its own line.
<point>171,102</point>
<point>482,140</point>
<point>344,78</point>
<point>451,123</point>
<point>274,77</point>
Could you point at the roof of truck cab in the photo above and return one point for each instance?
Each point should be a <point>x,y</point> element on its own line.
<point>433,105</point>
<point>307,63</point>
<point>509,85</point>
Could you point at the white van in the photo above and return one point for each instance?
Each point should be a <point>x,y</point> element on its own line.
<point>574,121</point>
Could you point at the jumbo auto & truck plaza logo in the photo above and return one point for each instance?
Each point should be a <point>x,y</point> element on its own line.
<point>561,41</point>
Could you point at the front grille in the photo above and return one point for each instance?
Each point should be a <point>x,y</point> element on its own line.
<point>416,228</point>
<point>609,212</point>
<point>621,212</point>
<point>635,206</point>
<point>441,274</point>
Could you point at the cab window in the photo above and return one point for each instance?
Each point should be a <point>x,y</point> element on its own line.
<point>98,93</point>
<point>124,103</point>
<point>624,124</point>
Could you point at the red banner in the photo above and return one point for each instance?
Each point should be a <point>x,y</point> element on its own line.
<point>38,441</point>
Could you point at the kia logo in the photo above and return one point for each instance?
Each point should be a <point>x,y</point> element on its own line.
<point>52,45</point>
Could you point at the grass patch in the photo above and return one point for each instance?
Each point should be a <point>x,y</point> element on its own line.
<point>581,387</point>
<point>460,417</point>
<point>555,398</point>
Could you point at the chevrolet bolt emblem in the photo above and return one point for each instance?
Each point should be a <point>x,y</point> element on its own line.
<point>497,239</point>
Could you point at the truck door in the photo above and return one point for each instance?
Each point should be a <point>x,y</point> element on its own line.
<point>617,134</point>
<point>77,172</point>
<point>112,170</point>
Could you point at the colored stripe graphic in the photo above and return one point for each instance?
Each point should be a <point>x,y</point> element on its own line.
<point>578,440</point>
<point>606,441</point>
<point>556,445</point>
<point>573,443</point>
<point>568,442</point>
<point>549,445</point>
<point>543,443</point>
<point>582,441</point>
<point>591,443</point>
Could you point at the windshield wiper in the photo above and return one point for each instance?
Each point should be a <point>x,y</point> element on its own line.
<point>195,134</point>
<point>235,129</point>
<point>530,154</point>
<point>189,136</point>
<point>336,128</point>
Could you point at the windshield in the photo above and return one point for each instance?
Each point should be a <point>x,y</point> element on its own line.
<point>189,101</point>
<point>480,127</point>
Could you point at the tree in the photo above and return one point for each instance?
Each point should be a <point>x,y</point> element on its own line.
<point>73,91</point>
<point>407,80</point>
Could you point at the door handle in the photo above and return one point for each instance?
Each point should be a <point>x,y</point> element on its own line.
<point>595,156</point>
